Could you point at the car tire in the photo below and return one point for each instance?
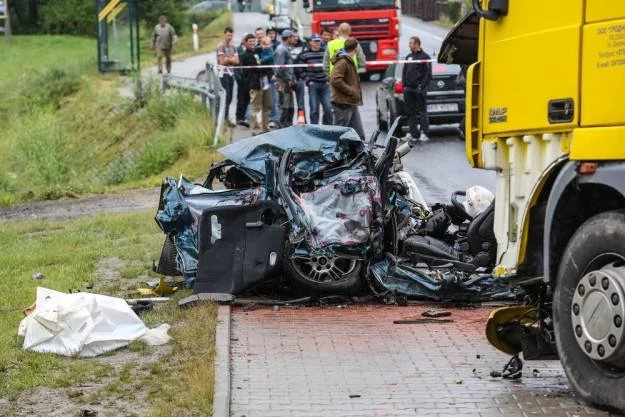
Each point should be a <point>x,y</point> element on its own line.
<point>299,272</point>
<point>167,263</point>
<point>600,241</point>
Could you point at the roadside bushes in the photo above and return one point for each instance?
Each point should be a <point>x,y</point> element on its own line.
<point>73,17</point>
<point>50,87</point>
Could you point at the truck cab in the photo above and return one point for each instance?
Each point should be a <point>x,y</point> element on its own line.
<point>375,23</point>
<point>544,111</point>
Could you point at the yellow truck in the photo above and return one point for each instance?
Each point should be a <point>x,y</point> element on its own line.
<point>545,109</point>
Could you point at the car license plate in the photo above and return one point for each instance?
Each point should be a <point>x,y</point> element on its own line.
<point>436,108</point>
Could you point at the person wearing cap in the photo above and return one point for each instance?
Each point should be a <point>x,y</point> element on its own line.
<point>285,78</point>
<point>316,81</point>
<point>335,45</point>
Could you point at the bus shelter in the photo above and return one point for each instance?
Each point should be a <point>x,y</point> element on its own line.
<point>118,36</point>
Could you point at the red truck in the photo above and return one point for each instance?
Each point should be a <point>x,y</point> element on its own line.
<point>375,23</point>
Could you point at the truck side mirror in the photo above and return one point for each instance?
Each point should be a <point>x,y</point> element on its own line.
<point>496,8</point>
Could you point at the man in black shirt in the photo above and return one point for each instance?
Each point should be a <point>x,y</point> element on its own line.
<point>416,78</point>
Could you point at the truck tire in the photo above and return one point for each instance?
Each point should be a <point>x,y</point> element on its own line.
<point>589,310</point>
<point>324,275</point>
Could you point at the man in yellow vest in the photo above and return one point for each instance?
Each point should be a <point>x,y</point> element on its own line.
<point>336,45</point>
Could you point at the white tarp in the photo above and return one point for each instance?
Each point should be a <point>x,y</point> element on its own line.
<point>84,324</point>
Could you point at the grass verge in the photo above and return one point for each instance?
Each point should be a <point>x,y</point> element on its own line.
<point>67,130</point>
<point>110,254</point>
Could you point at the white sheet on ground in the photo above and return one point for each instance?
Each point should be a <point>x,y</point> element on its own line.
<point>84,324</point>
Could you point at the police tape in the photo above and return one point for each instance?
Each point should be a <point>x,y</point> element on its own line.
<point>319,65</point>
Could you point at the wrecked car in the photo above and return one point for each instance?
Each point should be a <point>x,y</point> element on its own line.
<point>330,214</point>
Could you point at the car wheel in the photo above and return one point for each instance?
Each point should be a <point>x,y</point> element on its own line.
<point>589,310</point>
<point>323,273</point>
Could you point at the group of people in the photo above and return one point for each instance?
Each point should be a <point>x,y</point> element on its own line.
<point>270,91</point>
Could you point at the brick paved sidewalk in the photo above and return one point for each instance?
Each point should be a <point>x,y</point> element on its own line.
<point>315,362</point>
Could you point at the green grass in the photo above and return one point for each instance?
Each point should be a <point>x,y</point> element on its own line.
<point>67,130</point>
<point>69,253</point>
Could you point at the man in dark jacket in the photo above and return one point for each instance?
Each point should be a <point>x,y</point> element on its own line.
<point>285,78</point>
<point>252,79</point>
<point>316,81</point>
<point>243,92</point>
<point>416,78</point>
<point>346,92</point>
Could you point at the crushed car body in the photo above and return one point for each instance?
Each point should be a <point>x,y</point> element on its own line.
<point>330,214</point>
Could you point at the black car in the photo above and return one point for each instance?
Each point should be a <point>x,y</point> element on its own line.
<point>445,96</point>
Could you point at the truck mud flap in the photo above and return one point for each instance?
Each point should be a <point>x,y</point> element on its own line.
<point>239,246</point>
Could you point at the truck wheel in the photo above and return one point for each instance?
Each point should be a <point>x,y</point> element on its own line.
<point>589,310</point>
<point>324,274</point>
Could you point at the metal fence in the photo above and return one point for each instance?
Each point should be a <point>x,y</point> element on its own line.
<point>212,95</point>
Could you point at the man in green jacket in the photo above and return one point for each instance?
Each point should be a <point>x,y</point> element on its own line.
<point>163,40</point>
<point>346,92</point>
<point>336,45</point>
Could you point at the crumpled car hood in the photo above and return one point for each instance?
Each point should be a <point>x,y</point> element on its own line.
<point>334,142</point>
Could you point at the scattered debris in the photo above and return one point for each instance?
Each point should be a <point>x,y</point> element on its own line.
<point>132,301</point>
<point>37,276</point>
<point>512,369</point>
<point>459,381</point>
<point>276,308</point>
<point>88,412</point>
<point>141,307</point>
<point>422,321</point>
<point>536,373</point>
<point>478,356</point>
<point>354,395</point>
<point>213,297</point>
<point>163,288</point>
<point>436,313</point>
